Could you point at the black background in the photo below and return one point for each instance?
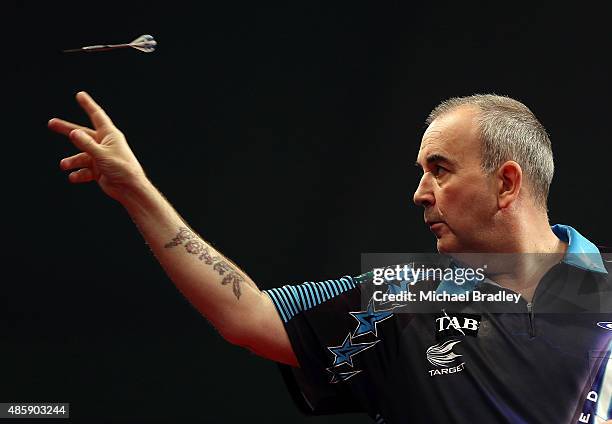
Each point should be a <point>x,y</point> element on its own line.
<point>285,134</point>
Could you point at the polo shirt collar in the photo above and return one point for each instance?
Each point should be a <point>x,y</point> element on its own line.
<point>580,253</point>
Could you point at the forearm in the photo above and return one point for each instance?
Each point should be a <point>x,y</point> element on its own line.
<point>213,284</point>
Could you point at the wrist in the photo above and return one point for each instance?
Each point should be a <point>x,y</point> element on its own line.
<point>137,194</point>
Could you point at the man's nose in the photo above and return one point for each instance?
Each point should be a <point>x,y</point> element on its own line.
<point>423,196</point>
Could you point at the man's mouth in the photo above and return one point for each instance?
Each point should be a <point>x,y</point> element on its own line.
<point>435,227</point>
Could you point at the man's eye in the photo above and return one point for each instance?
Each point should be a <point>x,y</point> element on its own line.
<point>439,170</point>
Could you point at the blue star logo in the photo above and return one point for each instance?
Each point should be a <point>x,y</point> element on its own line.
<point>402,287</point>
<point>344,353</point>
<point>369,319</point>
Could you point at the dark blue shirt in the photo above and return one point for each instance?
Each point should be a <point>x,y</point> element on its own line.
<point>544,361</point>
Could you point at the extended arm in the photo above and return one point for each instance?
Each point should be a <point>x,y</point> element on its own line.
<point>223,293</point>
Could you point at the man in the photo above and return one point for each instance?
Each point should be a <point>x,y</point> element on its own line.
<point>487,165</point>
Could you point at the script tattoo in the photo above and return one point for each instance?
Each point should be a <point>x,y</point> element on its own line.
<point>193,245</point>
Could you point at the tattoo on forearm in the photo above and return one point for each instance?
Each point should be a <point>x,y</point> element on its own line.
<point>193,245</point>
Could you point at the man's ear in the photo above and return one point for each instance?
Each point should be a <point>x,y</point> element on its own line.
<point>509,181</point>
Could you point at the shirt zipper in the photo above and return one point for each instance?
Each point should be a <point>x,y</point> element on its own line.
<point>530,305</point>
<point>531,319</point>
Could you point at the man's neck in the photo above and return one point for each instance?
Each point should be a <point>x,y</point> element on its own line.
<point>528,250</point>
<point>538,250</point>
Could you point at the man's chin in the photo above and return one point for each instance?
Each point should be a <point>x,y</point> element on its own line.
<point>451,247</point>
<point>446,246</point>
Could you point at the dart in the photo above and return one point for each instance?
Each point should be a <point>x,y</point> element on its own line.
<point>145,43</point>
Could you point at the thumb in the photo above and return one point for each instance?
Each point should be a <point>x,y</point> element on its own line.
<point>85,142</point>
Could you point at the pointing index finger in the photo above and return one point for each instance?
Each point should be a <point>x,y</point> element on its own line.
<point>65,127</point>
<point>98,117</point>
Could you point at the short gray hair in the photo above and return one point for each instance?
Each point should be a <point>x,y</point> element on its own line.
<point>509,131</point>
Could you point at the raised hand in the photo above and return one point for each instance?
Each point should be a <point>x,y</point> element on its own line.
<point>105,155</point>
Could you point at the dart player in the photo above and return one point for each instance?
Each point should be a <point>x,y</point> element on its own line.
<point>486,166</point>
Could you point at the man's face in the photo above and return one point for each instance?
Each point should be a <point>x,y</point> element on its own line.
<point>460,201</point>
